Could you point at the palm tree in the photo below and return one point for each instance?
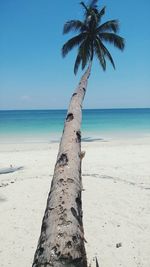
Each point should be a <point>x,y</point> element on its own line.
<point>61,242</point>
<point>90,37</point>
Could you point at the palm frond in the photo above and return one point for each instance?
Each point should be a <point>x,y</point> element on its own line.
<point>73,42</point>
<point>113,38</point>
<point>84,54</point>
<point>111,25</point>
<point>77,63</point>
<point>93,3</point>
<point>100,54</point>
<point>101,13</point>
<point>83,4</point>
<point>74,25</point>
<point>106,53</point>
<point>85,51</point>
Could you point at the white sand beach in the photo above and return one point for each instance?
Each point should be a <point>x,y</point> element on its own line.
<point>116,201</point>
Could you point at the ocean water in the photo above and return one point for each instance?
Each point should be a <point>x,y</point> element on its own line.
<point>47,125</point>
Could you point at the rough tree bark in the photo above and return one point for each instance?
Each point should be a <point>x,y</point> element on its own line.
<point>61,243</point>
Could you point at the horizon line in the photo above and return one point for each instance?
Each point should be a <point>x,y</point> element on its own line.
<point>65,109</point>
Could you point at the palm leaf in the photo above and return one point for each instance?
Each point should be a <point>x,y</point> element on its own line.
<point>100,54</point>
<point>111,25</point>
<point>77,63</point>
<point>101,13</point>
<point>85,53</point>
<point>114,39</point>
<point>93,3</point>
<point>74,25</point>
<point>106,53</point>
<point>83,4</point>
<point>73,42</point>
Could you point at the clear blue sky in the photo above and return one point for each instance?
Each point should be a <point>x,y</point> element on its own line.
<point>33,74</point>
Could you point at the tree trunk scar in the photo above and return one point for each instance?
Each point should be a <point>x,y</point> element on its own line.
<point>69,180</point>
<point>63,160</point>
<point>74,213</point>
<point>70,117</point>
<point>75,239</point>
<point>69,244</point>
<point>79,207</point>
<point>74,94</point>
<point>78,134</point>
<point>82,154</point>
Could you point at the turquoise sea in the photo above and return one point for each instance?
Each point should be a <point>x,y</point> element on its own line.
<point>47,125</point>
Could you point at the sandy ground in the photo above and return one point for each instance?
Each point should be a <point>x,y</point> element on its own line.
<point>116,201</point>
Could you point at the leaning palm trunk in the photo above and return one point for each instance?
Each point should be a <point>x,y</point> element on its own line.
<point>61,242</point>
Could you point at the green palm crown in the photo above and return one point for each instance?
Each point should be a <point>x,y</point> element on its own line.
<point>91,35</point>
